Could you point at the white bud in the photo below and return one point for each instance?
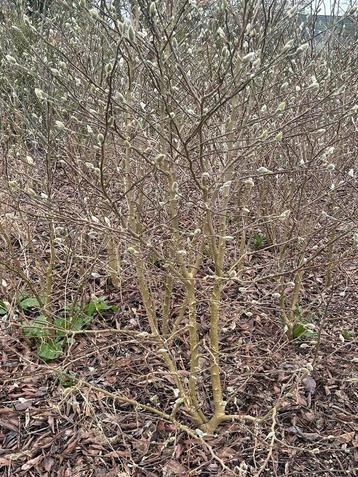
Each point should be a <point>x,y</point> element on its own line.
<point>355,239</point>
<point>291,11</point>
<point>279,136</point>
<point>93,12</point>
<point>264,108</point>
<point>200,433</point>
<point>314,86</point>
<point>225,187</point>
<point>249,57</point>
<point>303,47</point>
<point>131,34</point>
<point>284,215</point>
<point>249,182</point>
<point>249,27</point>
<point>100,138</point>
<point>288,45</point>
<point>108,68</point>
<point>351,172</point>
<point>225,52</point>
<point>10,59</point>
<point>39,93</point>
<point>89,129</point>
<point>13,185</point>
<point>282,106</point>
<point>29,160</point>
<point>221,33</point>
<point>152,9</point>
<point>256,62</point>
<point>59,125</point>
<point>263,170</point>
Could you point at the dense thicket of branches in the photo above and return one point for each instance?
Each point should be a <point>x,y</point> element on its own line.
<point>159,143</point>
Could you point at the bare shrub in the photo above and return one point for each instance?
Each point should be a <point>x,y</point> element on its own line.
<point>170,145</point>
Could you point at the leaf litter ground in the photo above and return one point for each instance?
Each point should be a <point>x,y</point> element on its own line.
<point>52,425</point>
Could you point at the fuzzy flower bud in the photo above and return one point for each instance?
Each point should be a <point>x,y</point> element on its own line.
<point>131,34</point>
<point>152,9</point>
<point>221,33</point>
<point>279,136</point>
<point>249,182</point>
<point>11,59</point>
<point>288,45</point>
<point>249,57</point>
<point>282,106</point>
<point>304,47</point>
<point>59,125</point>
<point>39,93</point>
<point>263,170</point>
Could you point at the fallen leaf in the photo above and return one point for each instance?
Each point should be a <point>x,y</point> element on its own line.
<point>48,463</point>
<point>173,468</point>
<point>31,463</point>
<point>345,438</point>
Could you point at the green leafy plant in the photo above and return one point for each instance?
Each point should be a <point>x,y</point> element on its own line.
<point>37,328</point>
<point>348,335</point>
<point>29,302</point>
<point>66,378</point>
<point>3,308</point>
<point>98,305</point>
<point>51,347</point>
<point>259,241</point>
<point>301,329</point>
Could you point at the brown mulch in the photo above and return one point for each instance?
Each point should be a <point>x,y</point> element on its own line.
<point>52,426</point>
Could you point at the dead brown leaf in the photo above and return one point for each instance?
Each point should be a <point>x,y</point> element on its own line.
<point>174,469</point>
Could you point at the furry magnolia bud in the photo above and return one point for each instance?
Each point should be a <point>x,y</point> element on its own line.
<point>152,9</point>
<point>303,47</point>
<point>131,34</point>
<point>281,107</point>
<point>249,57</point>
